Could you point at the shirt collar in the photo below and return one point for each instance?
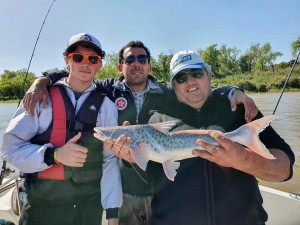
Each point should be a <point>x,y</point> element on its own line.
<point>152,85</point>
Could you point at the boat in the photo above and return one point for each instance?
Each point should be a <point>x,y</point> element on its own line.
<point>7,189</point>
<point>282,207</point>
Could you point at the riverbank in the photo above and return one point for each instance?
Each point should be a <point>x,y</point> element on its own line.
<point>262,81</point>
<point>9,101</point>
<point>246,91</point>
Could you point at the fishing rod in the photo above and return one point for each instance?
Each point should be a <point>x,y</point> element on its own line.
<point>286,81</point>
<point>38,37</point>
<point>5,171</point>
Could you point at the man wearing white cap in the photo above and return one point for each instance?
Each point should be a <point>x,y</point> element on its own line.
<point>56,150</point>
<point>219,186</point>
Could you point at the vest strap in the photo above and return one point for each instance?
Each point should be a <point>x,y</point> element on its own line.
<point>58,134</point>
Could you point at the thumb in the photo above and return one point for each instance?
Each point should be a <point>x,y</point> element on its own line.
<point>126,123</point>
<point>233,105</point>
<point>75,138</point>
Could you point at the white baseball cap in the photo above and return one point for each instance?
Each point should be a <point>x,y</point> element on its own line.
<point>84,38</point>
<point>186,60</point>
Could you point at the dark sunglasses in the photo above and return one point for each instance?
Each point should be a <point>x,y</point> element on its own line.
<point>181,78</point>
<point>79,57</point>
<point>142,59</point>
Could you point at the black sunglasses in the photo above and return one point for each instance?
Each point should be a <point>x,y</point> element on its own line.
<point>142,59</point>
<point>181,78</point>
<point>79,57</point>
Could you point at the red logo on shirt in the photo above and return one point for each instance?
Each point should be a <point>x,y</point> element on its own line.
<point>121,103</point>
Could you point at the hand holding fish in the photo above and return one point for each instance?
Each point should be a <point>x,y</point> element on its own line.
<point>120,147</point>
<point>231,154</point>
<point>227,153</point>
<point>154,142</point>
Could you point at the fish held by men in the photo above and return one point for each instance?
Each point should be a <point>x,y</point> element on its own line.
<point>155,142</point>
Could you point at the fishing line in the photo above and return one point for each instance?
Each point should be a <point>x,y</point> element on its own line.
<point>286,82</point>
<point>38,37</point>
<point>125,156</point>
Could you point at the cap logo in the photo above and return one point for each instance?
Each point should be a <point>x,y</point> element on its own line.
<point>86,38</point>
<point>182,59</point>
<point>93,108</point>
<point>121,103</point>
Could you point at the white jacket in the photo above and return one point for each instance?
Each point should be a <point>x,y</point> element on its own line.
<point>29,158</point>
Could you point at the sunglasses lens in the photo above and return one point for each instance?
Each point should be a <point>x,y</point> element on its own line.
<point>93,59</point>
<point>142,59</point>
<point>77,58</point>
<point>181,78</point>
<point>197,74</point>
<point>130,59</point>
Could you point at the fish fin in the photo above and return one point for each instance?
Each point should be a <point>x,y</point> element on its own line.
<point>251,130</point>
<point>140,155</point>
<point>170,168</point>
<point>165,127</point>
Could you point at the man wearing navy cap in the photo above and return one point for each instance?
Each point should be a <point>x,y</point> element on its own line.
<point>57,152</point>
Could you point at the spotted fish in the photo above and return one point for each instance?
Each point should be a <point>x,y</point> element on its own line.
<point>155,142</point>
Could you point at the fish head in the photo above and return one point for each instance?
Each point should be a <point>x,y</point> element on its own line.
<point>102,133</point>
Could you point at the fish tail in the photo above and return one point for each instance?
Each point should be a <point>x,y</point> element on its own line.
<point>247,135</point>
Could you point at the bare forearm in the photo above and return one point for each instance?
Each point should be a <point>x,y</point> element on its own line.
<point>275,170</point>
<point>40,82</point>
<point>37,91</point>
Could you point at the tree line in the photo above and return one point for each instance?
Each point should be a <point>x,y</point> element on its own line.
<point>255,70</point>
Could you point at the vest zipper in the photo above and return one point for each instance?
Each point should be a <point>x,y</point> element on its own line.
<point>137,116</point>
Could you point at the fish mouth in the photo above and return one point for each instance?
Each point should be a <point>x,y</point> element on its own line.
<point>99,135</point>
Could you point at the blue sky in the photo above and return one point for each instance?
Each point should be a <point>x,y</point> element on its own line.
<point>163,25</point>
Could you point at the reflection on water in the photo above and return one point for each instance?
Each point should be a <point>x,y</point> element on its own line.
<point>288,127</point>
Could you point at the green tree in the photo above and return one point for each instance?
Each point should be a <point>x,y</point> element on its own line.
<point>161,67</point>
<point>267,57</point>
<point>110,67</point>
<point>228,58</point>
<point>111,59</point>
<point>253,54</point>
<point>13,84</point>
<point>245,63</point>
<point>295,47</point>
<point>211,56</point>
<point>108,71</point>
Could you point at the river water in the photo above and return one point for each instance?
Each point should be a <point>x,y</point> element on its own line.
<point>288,127</point>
